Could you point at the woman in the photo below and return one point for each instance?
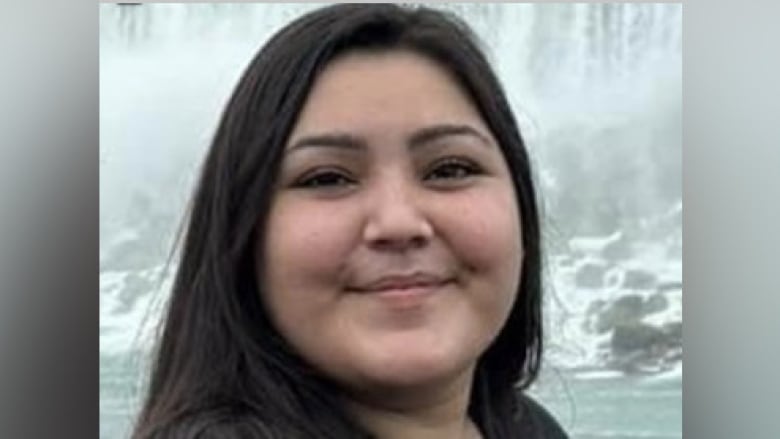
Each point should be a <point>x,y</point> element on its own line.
<point>362,257</point>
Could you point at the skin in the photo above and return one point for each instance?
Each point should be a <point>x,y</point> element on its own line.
<point>390,171</point>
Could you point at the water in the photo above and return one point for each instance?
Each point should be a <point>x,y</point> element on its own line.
<point>589,406</point>
<point>613,406</point>
<point>597,91</point>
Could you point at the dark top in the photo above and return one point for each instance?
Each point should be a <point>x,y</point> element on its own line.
<point>536,422</point>
<point>533,422</point>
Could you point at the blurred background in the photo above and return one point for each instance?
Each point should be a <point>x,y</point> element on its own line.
<point>597,90</point>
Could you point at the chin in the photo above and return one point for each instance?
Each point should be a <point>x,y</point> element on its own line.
<point>414,369</point>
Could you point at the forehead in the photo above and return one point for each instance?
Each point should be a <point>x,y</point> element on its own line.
<point>381,93</point>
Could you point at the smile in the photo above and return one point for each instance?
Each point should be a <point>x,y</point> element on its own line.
<point>403,292</point>
<point>417,282</point>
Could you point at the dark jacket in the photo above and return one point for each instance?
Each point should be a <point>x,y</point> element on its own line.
<point>535,422</point>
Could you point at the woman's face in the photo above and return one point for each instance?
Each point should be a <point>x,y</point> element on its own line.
<point>393,245</point>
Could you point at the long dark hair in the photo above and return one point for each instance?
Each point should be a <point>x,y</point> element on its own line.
<point>220,365</point>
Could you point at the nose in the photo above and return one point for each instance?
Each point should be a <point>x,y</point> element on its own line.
<point>396,219</point>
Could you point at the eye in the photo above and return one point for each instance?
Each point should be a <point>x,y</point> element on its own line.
<point>453,169</point>
<point>327,178</point>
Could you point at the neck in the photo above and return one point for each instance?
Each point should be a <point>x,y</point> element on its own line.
<point>432,412</point>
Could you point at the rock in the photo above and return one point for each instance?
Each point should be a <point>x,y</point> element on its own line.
<point>625,311</point>
<point>590,275</point>
<point>639,337</point>
<point>596,306</point>
<point>655,303</point>
<point>643,348</point>
<point>592,315</point>
<point>637,279</point>
<point>674,336</point>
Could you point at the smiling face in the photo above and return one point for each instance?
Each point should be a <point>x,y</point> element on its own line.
<point>393,243</point>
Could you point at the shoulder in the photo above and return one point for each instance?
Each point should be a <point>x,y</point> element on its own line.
<point>535,421</point>
<point>214,425</point>
<point>237,427</point>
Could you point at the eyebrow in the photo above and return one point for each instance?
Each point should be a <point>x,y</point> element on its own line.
<point>421,137</point>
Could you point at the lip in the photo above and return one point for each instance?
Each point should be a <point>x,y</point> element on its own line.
<point>404,293</point>
<point>402,284</point>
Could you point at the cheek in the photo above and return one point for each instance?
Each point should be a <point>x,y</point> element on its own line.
<point>305,247</point>
<point>485,233</point>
